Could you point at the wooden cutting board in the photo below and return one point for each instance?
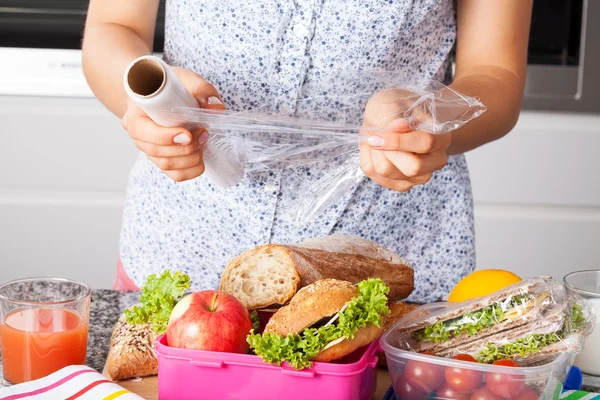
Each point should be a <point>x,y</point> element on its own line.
<point>148,387</point>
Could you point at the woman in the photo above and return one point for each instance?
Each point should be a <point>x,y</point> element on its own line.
<point>417,197</point>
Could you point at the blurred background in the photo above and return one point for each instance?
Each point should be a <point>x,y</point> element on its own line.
<point>64,159</point>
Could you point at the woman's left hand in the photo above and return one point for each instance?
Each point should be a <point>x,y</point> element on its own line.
<point>397,157</point>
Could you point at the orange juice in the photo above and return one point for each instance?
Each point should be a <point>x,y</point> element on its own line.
<point>38,341</point>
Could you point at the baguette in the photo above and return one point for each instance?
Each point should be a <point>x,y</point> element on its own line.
<point>131,353</point>
<point>270,275</point>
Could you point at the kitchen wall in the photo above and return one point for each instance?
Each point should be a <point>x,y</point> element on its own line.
<point>64,165</point>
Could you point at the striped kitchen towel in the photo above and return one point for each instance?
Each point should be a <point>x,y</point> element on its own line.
<point>70,383</point>
<point>579,395</point>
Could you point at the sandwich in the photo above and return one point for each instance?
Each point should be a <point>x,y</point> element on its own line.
<point>550,336</point>
<point>326,321</point>
<point>515,306</point>
<point>267,277</point>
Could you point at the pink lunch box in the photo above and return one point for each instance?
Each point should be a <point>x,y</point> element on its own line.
<point>195,374</point>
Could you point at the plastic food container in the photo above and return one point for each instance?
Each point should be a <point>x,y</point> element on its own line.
<point>195,374</point>
<point>545,380</point>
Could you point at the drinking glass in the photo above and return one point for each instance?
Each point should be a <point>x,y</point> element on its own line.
<point>587,284</point>
<point>43,326</point>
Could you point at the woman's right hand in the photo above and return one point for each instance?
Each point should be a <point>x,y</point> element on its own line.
<point>176,151</point>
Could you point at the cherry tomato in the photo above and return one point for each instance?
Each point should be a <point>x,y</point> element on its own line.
<point>506,363</point>
<point>461,379</point>
<point>505,385</point>
<point>464,357</point>
<point>404,390</point>
<point>447,392</point>
<point>484,394</point>
<point>527,394</point>
<point>423,375</point>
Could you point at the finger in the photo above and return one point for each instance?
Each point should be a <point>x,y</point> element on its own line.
<point>415,141</point>
<point>388,104</point>
<point>182,175</point>
<point>200,137</point>
<point>384,167</point>
<point>421,179</point>
<point>366,161</point>
<point>394,184</point>
<point>145,130</point>
<point>176,163</point>
<point>205,93</point>
<point>413,165</point>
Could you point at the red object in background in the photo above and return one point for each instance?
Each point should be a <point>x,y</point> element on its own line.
<point>39,341</point>
<point>209,320</point>
<point>122,280</point>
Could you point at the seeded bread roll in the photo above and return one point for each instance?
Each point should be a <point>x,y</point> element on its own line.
<point>317,304</point>
<point>306,309</point>
<point>131,353</point>
<point>270,275</point>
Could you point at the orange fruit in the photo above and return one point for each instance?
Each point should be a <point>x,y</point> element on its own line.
<point>482,283</point>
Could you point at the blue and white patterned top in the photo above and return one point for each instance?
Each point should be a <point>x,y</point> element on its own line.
<point>243,47</point>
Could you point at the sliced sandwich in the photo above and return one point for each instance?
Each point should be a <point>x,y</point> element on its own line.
<point>542,338</point>
<point>326,321</point>
<point>515,306</point>
<point>268,276</point>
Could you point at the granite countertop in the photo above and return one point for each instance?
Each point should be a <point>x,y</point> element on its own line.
<point>105,309</point>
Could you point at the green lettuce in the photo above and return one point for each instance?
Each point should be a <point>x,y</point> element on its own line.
<point>577,317</point>
<point>299,349</point>
<point>160,293</point>
<point>521,347</point>
<point>535,342</point>
<point>469,323</point>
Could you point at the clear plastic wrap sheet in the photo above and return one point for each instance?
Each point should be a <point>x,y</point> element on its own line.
<point>324,127</point>
<point>531,322</point>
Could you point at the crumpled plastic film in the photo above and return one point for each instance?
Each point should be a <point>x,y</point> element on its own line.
<point>326,128</point>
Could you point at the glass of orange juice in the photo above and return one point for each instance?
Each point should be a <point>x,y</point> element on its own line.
<point>43,326</point>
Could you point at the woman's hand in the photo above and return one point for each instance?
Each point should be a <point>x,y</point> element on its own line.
<point>176,151</point>
<point>399,158</point>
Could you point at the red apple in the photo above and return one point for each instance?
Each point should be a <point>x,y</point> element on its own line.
<point>209,320</point>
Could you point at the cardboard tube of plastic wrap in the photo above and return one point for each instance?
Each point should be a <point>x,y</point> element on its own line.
<point>153,85</point>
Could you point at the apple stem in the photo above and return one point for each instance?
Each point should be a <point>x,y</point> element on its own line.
<point>214,301</point>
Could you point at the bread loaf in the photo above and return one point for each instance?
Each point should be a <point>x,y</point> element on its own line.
<point>352,245</point>
<point>270,275</point>
<point>131,353</point>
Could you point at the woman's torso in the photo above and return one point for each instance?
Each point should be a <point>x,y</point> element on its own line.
<point>244,48</point>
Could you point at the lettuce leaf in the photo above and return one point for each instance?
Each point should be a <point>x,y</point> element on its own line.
<point>298,349</point>
<point>469,323</point>
<point>535,342</point>
<point>160,293</point>
<point>577,318</point>
<point>521,347</point>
